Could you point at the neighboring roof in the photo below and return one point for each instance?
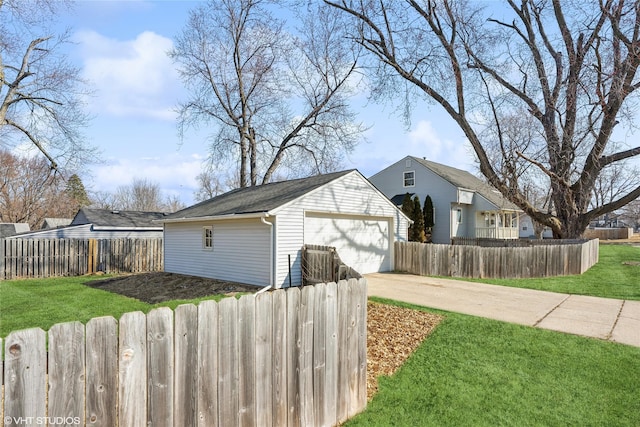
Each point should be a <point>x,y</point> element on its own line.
<point>55,223</point>
<point>256,199</point>
<point>398,199</point>
<point>463,179</point>
<point>11,229</point>
<point>117,219</point>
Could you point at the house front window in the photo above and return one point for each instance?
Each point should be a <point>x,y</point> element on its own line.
<point>459,215</point>
<point>409,179</point>
<point>207,237</point>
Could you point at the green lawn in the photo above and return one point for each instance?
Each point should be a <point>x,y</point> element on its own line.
<point>609,278</point>
<point>45,302</point>
<point>479,372</point>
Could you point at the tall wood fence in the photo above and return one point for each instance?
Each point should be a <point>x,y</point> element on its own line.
<point>37,258</point>
<point>609,233</point>
<point>281,358</point>
<point>496,262</point>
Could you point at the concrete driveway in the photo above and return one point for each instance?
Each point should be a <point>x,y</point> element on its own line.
<point>603,318</point>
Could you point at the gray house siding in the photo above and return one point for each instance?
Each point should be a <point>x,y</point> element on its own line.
<point>390,182</point>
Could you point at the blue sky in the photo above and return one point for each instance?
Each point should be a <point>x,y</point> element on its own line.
<point>121,48</point>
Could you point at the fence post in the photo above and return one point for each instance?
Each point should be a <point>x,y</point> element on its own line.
<point>91,256</point>
<point>2,260</point>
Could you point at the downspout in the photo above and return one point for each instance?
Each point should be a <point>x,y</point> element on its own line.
<point>270,285</point>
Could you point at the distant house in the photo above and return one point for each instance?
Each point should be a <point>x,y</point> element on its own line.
<point>464,206</point>
<point>104,224</point>
<point>8,229</point>
<point>255,235</point>
<point>50,223</point>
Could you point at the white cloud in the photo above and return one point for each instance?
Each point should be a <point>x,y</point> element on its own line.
<point>131,77</point>
<point>175,173</point>
<point>426,142</point>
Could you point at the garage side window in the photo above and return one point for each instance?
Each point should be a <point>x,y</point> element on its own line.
<point>409,179</point>
<point>207,237</point>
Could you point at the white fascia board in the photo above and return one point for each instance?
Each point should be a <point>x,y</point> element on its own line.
<point>108,228</point>
<point>216,217</point>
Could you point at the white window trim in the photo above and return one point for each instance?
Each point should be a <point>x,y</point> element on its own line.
<point>404,179</point>
<point>204,238</point>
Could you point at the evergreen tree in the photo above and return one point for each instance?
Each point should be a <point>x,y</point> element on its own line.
<point>418,234</point>
<point>76,192</point>
<point>428,215</point>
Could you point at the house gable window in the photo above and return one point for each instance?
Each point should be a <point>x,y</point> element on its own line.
<point>207,237</point>
<point>409,179</point>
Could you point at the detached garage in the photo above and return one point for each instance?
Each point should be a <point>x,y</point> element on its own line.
<point>255,235</point>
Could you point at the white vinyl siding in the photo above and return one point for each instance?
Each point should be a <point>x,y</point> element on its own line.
<point>348,195</point>
<point>240,252</point>
<point>86,231</point>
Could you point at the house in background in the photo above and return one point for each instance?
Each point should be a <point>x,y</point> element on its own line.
<point>50,223</point>
<point>104,224</point>
<point>255,235</point>
<point>464,206</point>
<point>8,229</point>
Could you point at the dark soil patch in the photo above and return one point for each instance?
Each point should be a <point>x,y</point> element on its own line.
<point>153,288</point>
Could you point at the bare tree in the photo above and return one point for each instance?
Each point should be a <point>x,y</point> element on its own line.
<point>142,195</point>
<point>278,97</point>
<point>29,192</point>
<point>570,66</point>
<point>40,92</point>
<point>209,186</point>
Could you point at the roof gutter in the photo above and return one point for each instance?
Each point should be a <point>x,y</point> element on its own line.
<point>107,228</point>
<point>215,217</point>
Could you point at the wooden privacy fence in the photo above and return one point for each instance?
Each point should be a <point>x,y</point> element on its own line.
<point>281,358</point>
<point>608,233</point>
<point>31,258</point>
<point>497,262</point>
<point>321,264</point>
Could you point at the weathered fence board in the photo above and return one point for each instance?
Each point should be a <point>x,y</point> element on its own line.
<point>132,364</point>
<point>66,371</point>
<point>292,357</point>
<point>264,355</point>
<point>544,260</point>
<point>160,367</point>
<point>208,364</point>
<point>37,258</point>
<point>102,366</point>
<point>25,375</point>
<point>228,362</point>
<point>186,361</point>
<point>247,363</point>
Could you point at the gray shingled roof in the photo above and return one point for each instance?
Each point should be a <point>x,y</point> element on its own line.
<point>49,223</point>
<point>256,199</point>
<point>114,218</point>
<point>464,179</point>
<point>8,229</point>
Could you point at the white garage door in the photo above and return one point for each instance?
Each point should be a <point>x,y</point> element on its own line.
<point>362,242</point>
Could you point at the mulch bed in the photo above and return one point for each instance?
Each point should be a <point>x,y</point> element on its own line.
<point>158,287</point>
<point>393,333</point>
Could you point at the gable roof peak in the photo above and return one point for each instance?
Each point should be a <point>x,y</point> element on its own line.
<point>257,198</point>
